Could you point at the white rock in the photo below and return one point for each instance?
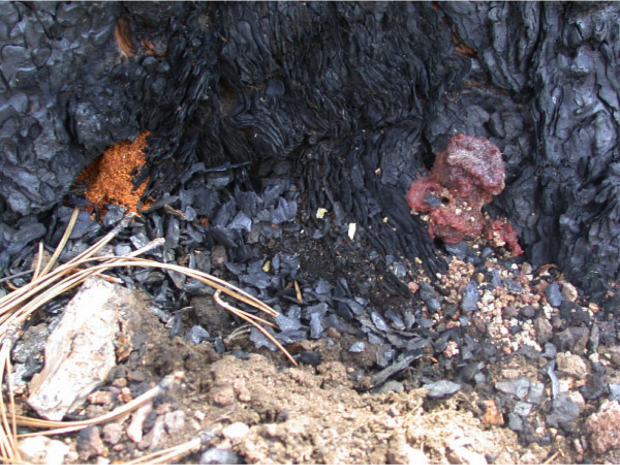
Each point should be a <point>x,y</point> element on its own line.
<point>80,352</point>
<point>42,450</point>
<point>236,431</point>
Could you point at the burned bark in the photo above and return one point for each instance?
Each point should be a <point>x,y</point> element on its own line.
<point>350,99</point>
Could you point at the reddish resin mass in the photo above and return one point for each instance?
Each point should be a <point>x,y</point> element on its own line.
<point>466,176</point>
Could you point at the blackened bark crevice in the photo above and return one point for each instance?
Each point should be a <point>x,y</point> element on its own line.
<point>369,87</point>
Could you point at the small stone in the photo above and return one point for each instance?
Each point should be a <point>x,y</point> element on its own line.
<point>574,315</point>
<point>564,412</point>
<point>125,395</point>
<point>155,436</point>
<point>569,292</point>
<point>215,455</point>
<point>544,330</point>
<point>100,398</point>
<point>536,393</point>
<point>442,388</point>
<point>112,433</point>
<point>399,452</point>
<point>42,450</point>
<point>528,311</point>
<point>357,347</point>
<point>218,255</point>
<point>470,298</point>
<point>513,287</point>
<point>522,409</point>
<point>504,457</point>
<point>379,322</point>
<point>391,386</point>
<point>572,365</point>
<point>509,311</point>
<point>242,391</point>
<point>550,351</point>
<point>594,387</point>
<point>604,427</point>
<point>612,353</point>
<point>463,455</point>
<point>577,399</point>
<point>433,305</point>
<point>237,430</point>
<point>196,335</point>
<point>174,422</point>
<point>119,383</point>
<point>164,408</point>
<point>515,422</point>
<point>224,396</point>
<point>517,388</point>
<point>333,333</point>
<point>554,295</point>
<point>89,443</point>
<point>136,376</point>
<point>614,391</point>
<point>492,415</point>
<point>608,335</point>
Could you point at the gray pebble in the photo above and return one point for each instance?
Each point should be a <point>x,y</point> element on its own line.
<point>433,305</point>
<point>89,443</point>
<point>112,433</point>
<point>536,393</point>
<point>215,455</point>
<point>442,388</point>
<point>515,422</point>
<point>522,409</point>
<point>554,295</point>
<point>614,392</point>
<point>528,311</point>
<point>196,335</point>
<point>470,298</point>
<point>564,412</point>
<point>517,388</point>
<point>357,347</point>
<point>544,330</point>
<point>174,422</point>
<point>391,386</point>
<point>512,286</point>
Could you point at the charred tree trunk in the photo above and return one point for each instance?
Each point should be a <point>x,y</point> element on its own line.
<point>350,99</point>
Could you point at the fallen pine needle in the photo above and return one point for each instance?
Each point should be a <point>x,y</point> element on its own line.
<point>47,284</point>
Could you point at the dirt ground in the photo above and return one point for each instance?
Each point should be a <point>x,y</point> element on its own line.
<point>253,406</point>
<point>319,415</point>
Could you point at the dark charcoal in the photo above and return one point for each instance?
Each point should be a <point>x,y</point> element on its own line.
<point>564,412</point>
<point>594,387</point>
<point>573,314</point>
<point>308,358</point>
<point>218,108</point>
<point>196,335</point>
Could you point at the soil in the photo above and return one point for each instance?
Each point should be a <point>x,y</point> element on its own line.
<point>330,412</point>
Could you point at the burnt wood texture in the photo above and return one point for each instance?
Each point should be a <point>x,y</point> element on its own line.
<point>350,99</point>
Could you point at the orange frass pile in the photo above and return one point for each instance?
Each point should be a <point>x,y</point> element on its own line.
<point>109,178</point>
